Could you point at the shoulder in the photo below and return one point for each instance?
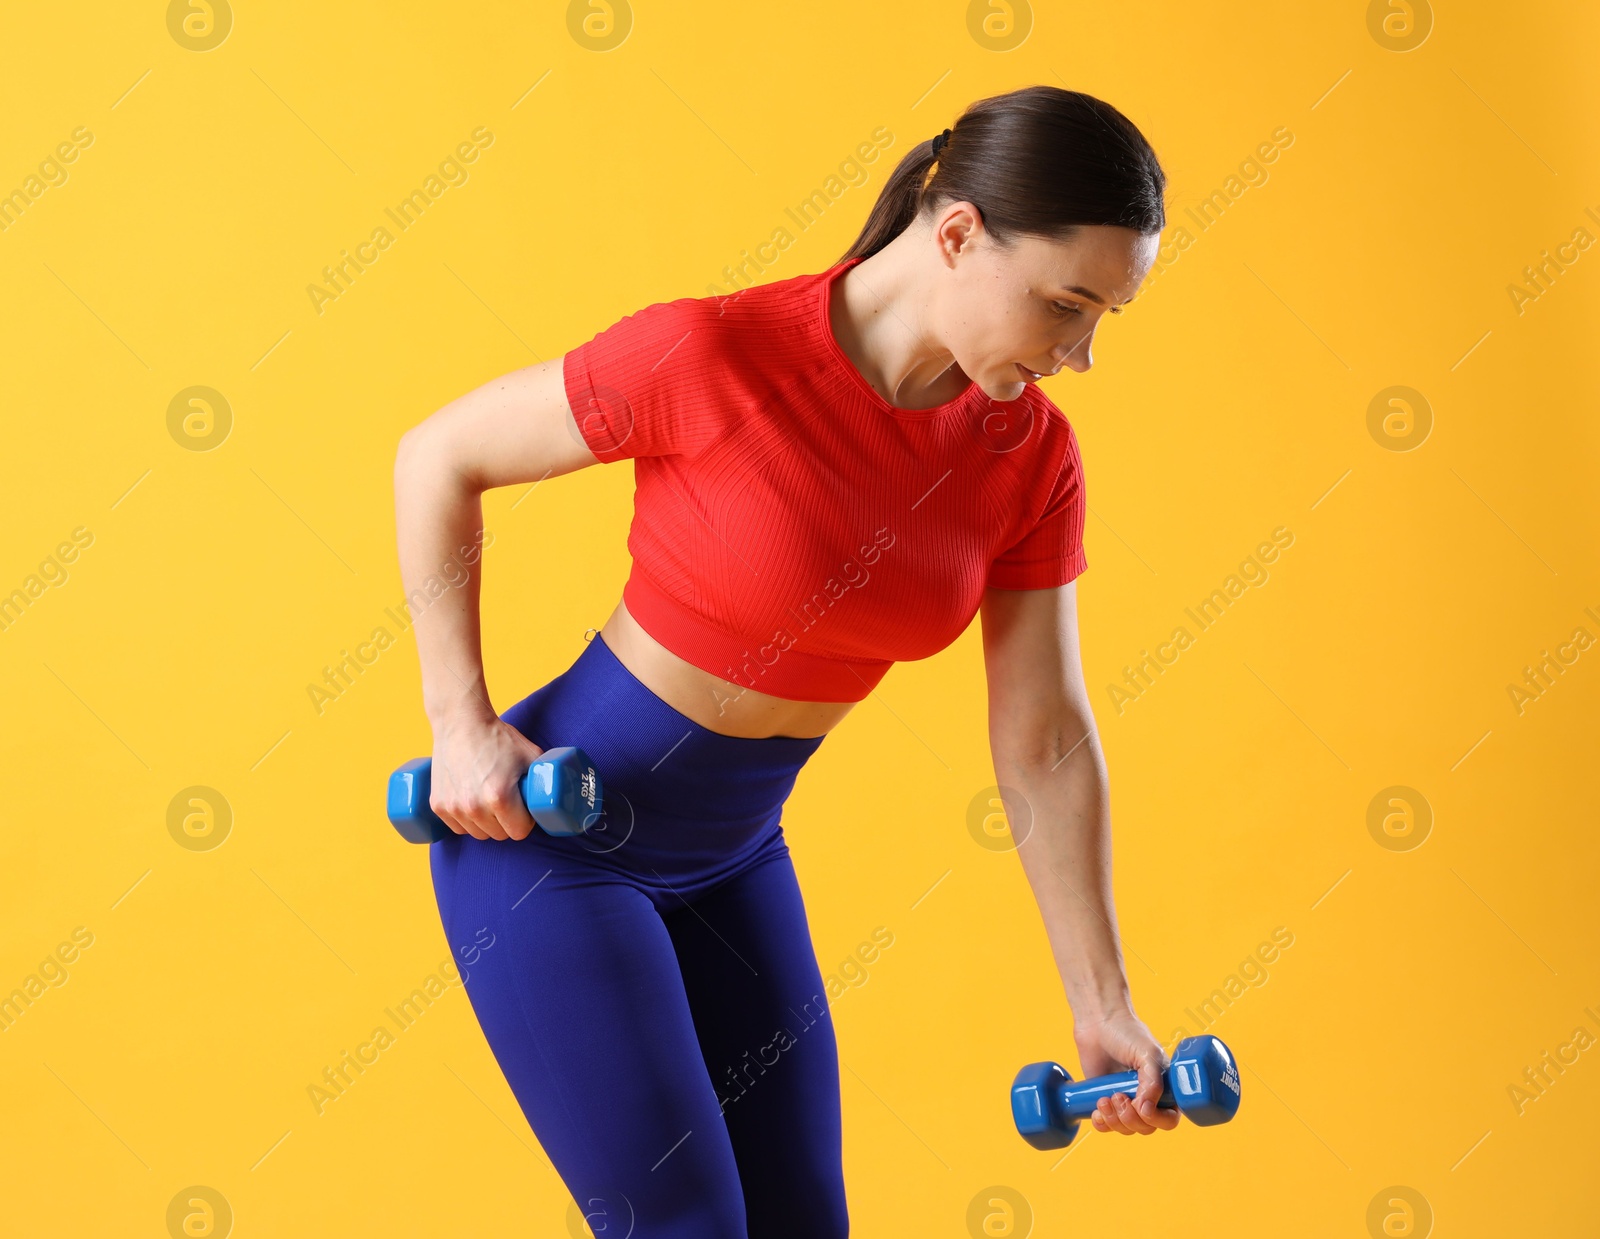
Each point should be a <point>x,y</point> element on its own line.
<point>737,328</point>
<point>1049,433</point>
<point>722,315</point>
<point>657,343</point>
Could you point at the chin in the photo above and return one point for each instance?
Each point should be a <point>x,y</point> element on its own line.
<point>1005,393</point>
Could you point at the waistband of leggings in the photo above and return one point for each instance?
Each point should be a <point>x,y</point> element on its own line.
<point>771,751</point>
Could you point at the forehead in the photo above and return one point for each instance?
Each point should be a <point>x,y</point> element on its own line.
<point>1107,260</point>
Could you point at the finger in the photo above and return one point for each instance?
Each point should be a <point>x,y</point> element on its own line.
<point>468,826</point>
<point>510,814</point>
<point>456,823</point>
<point>1147,1102</point>
<point>1112,1119</point>
<point>1149,1110</point>
<point>483,817</point>
<point>1128,1121</point>
<point>1151,1085</point>
<point>1132,1121</point>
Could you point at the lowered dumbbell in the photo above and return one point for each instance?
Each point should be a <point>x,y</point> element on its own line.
<point>1202,1085</point>
<point>561,789</point>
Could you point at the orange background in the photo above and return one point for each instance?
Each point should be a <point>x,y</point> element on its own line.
<point>170,1059</point>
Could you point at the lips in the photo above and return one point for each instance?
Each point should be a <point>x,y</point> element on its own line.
<point>1031,375</point>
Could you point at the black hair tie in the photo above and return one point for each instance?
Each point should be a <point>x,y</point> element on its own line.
<point>939,142</point>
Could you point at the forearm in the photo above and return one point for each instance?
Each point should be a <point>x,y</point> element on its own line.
<point>439,527</point>
<point>1065,850</point>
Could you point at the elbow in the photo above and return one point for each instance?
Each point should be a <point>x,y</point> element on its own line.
<point>1063,741</point>
<point>405,460</point>
<point>419,459</point>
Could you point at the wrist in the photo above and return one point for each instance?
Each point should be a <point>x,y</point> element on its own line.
<point>1094,1000</point>
<point>467,712</point>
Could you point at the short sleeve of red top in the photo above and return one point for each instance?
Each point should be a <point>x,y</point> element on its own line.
<point>794,532</point>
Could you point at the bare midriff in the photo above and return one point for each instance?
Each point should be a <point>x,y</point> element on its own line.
<point>716,704</point>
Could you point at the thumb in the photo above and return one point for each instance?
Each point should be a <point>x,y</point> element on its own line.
<point>1151,1070</point>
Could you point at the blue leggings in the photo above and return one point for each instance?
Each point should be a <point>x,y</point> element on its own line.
<point>650,989</point>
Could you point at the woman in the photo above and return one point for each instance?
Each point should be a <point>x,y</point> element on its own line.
<point>833,472</point>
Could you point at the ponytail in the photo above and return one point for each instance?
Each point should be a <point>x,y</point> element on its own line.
<point>897,204</point>
<point>1038,161</point>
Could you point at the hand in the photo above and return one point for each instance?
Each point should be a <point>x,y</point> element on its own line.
<point>477,767</point>
<point>1119,1041</point>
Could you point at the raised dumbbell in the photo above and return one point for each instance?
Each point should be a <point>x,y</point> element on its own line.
<point>1202,1085</point>
<point>561,789</point>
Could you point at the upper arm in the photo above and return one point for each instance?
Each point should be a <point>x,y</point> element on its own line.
<point>654,383</point>
<point>516,428</point>
<point>1038,705</point>
<point>1050,551</point>
<point>645,386</point>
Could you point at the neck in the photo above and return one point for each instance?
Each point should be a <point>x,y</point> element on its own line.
<point>881,314</point>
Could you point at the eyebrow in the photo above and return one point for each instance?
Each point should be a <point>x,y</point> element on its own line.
<point>1084,292</point>
<point>1092,296</point>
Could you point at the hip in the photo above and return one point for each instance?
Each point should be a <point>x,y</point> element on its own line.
<point>682,803</point>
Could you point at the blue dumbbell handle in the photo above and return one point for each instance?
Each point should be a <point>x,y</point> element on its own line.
<point>1079,1097</point>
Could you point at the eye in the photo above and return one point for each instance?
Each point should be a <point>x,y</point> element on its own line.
<point>1067,309</point>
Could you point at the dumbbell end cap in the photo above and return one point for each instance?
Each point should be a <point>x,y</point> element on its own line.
<point>563,791</point>
<point>1204,1078</point>
<point>407,806</point>
<point>1036,1106</point>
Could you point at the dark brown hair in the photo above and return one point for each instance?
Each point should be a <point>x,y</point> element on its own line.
<point>1039,161</point>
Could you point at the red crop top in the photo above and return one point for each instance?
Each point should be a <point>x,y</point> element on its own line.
<point>793,531</point>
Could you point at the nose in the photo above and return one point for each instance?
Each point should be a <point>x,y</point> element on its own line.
<point>1077,354</point>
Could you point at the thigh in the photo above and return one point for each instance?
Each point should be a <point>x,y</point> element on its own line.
<point>767,1037</point>
<point>579,995</point>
